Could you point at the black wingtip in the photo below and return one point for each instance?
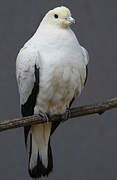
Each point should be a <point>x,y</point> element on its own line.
<point>26,133</point>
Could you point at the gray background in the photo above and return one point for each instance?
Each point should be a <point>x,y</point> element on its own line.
<point>85,148</point>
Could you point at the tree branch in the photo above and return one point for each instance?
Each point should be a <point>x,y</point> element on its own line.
<point>74,112</point>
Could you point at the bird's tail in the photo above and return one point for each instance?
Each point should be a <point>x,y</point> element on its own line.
<point>40,156</point>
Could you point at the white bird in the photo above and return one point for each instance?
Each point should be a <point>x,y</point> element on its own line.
<point>51,71</point>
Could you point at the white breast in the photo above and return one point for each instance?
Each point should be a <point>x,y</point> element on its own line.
<point>59,83</point>
<point>62,72</point>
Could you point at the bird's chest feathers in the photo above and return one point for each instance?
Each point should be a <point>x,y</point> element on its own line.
<point>57,87</point>
<point>59,74</point>
<point>59,78</point>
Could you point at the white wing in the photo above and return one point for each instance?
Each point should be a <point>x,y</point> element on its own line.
<point>86,55</point>
<point>27,58</point>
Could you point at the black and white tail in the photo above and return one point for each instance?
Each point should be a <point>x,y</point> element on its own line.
<point>40,155</point>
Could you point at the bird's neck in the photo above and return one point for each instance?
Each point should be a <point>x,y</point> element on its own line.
<point>53,38</point>
<point>51,33</point>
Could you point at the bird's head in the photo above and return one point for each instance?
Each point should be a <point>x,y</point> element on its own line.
<point>60,16</point>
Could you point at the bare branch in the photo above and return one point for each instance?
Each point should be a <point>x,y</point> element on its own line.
<point>74,112</point>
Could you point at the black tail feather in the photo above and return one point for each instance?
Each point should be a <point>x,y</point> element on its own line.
<point>39,170</point>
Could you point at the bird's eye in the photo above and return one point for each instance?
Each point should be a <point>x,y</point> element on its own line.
<point>56,16</point>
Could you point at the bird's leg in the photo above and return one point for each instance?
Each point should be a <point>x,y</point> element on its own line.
<point>44,115</point>
<point>65,116</point>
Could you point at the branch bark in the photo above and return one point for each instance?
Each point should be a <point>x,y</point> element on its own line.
<point>74,112</point>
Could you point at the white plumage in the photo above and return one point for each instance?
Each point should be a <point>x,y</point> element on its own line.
<point>55,50</point>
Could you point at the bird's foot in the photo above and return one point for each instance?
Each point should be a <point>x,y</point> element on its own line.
<point>65,116</point>
<point>45,116</point>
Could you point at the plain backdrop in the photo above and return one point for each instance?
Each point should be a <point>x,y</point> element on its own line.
<point>84,148</point>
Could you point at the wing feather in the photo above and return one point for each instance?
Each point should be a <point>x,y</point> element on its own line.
<point>27,71</point>
<point>86,60</point>
<point>27,58</point>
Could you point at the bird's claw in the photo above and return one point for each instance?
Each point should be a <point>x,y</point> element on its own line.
<point>44,116</point>
<point>65,116</point>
